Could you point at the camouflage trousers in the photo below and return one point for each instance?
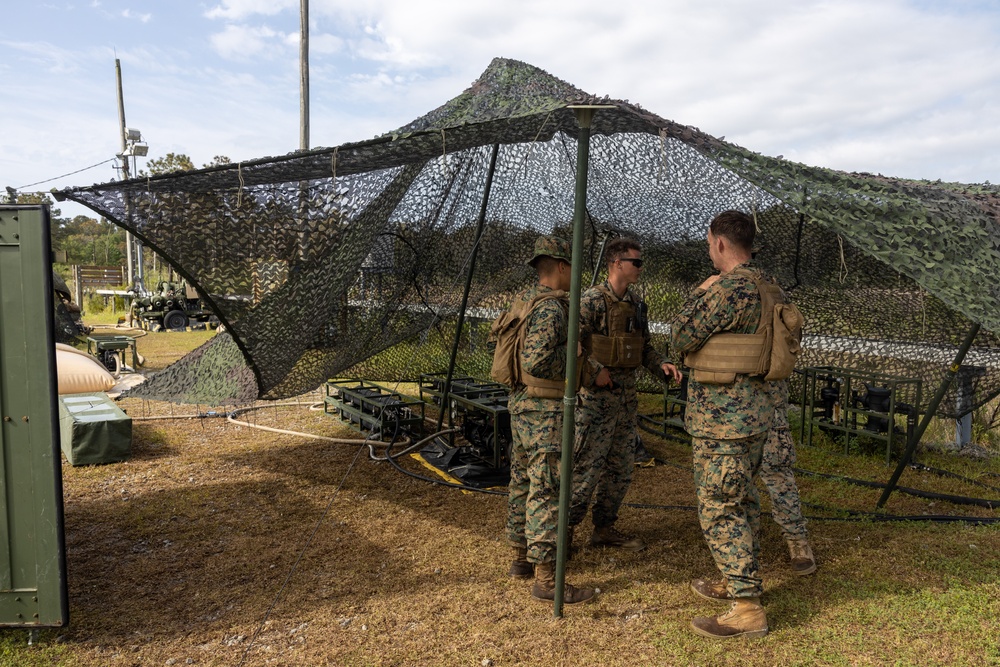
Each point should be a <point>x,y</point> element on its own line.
<point>603,453</point>
<point>533,492</point>
<point>776,473</point>
<point>729,507</point>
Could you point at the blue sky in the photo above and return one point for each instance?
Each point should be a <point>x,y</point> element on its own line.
<point>903,88</point>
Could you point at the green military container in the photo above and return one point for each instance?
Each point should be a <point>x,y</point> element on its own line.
<point>32,547</point>
<point>93,429</point>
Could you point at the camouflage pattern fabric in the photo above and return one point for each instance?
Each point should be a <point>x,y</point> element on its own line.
<point>729,507</point>
<point>604,453</point>
<point>533,492</point>
<point>744,407</point>
<point>604,447</point>
<point>544,352</point>
<point>536,425</point>
<point>349,260</point>
<point>776,469</point>
<point>729,425</point>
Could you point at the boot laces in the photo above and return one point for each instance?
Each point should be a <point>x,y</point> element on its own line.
<point>615,534</point>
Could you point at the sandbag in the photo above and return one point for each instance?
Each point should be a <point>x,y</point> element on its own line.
<point>80,373</point>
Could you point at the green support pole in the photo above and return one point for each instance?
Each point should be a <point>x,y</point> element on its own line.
<point>911,446</point>
<point>583,118</point>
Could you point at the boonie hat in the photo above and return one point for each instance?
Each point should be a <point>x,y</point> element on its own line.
<point>551,246</point>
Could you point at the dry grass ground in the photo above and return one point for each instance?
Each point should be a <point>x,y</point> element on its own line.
<point>216,544</point>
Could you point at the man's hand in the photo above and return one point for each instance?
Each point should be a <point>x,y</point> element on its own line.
<point>603,378</point>
<point>671,372</point>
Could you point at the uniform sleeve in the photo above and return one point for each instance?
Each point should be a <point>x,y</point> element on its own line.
<point>544,353</point>
<point>705,312</point>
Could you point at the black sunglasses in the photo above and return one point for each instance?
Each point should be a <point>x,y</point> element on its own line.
<point>636,262</point>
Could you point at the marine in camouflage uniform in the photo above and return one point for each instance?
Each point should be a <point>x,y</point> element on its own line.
<point>537,433</point>
<point>729,425</point>
<point>779,479</point>
<point>536,426</point>
<point>776,468</point>
<point>606,423</point>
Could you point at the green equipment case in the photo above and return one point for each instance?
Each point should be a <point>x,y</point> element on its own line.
<point>93,429</point>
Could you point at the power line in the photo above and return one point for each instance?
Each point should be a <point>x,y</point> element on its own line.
<point>65,175</point>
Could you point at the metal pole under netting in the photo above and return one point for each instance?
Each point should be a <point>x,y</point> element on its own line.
<point>480,222</point>
<point>911,446</point>
<point>584,115</point>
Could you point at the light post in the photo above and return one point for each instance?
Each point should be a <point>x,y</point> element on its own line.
<point>132,146</point>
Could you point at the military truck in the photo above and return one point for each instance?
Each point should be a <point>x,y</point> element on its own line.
<point>174,305</point>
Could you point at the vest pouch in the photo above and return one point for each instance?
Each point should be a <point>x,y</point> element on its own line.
<point>712,377</point>
<point>617,351</point>
<point>786,346</point>
<point>732,353</point>
<point>629,351</point>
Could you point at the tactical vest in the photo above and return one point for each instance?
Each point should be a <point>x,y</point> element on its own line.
<point>508,333</point>
<point>622,346</point>
<point>724,355</point>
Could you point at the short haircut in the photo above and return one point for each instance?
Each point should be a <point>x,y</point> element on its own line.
<point>618,248</point>
<point>545,265</point>
<point>736,227</point>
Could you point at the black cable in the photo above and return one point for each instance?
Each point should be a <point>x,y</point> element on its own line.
<point>930,495</point>
<point>947,473</point>
<point>660,434</point>
<point>852,515</point>
<point>451,485</point>
<point>65,175</point>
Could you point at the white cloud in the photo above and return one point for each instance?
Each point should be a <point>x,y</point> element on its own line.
<point>143,18</point>
<point>242,42</point>
<point>896,87</point>
<point>240,9</point>
<point>45,56</point>
<point>323,44</point>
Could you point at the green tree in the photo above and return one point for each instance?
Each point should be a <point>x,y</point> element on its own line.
<point>172,162</point>
<point>39,198</point>
<point>90,241</point>
<point>169,163</point>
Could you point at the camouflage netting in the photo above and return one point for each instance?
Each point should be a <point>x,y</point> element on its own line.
<point>351,261</point>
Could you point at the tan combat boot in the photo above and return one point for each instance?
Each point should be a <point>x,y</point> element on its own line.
<point>520,568</point>
<point>609,536</point>
<point>745,618</point>
<point>711,590</point>
<point>545,586</point>
<point>803,561</point>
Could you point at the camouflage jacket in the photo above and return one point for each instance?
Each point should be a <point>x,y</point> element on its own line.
<point>544,353</point>
<point>594,319</point>
<point>718,411</point>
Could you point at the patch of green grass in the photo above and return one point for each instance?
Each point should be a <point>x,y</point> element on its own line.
<point>45,651</point>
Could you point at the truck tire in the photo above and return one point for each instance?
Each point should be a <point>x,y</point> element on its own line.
<point>175,319</point>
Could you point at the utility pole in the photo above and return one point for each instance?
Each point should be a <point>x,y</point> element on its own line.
<point>130,263</point>
<point>304,77</point>
<point>132,145</point>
